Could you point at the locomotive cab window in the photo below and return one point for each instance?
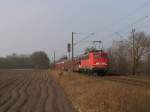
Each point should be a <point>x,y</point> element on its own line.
<point>86,57</point>
<point>98,55</point>
<point>104,55</point>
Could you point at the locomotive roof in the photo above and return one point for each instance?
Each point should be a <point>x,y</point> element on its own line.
<point>95,51</point>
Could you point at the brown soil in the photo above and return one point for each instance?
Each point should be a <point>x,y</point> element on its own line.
<point>95,94</point>
<point>31,91</point>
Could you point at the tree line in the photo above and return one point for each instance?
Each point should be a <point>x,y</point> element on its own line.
<point>121,55</point>
<point>37,60</point>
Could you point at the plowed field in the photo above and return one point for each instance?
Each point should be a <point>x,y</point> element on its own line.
<point>31,91</point>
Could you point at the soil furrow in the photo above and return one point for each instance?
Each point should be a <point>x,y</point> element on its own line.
<point>26,97</point>
<point>39,95</point>
<point>31,91</point>
<point>14,96</point>
<point>7,96</point>
<point>23,97</point>
<point>34,93</point>
<point>7,83</point>
<point>40,105</point>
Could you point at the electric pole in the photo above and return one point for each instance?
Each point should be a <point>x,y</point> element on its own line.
<point>133,52</point>
<point>54,59</point>
<point>72,46</point>
<point>69,49</point>
<point>72,50</point>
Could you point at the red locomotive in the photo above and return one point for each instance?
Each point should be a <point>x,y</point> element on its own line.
<point>94,61</point>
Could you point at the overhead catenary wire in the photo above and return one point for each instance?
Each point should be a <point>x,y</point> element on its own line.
<point>145,24</point>
<point>83,39</point>
<point>146,4</point>
<point>129,27</point>
<point>138,21</point>
<point>143,6</point>
<point>131,14</point>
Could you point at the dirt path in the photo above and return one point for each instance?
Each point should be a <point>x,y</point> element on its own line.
<point>31,91</point>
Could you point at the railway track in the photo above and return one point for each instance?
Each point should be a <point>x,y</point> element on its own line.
<point>129,81</point>
<point>145,83</point>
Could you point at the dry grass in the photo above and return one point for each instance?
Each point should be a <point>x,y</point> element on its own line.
<point>91,95</point>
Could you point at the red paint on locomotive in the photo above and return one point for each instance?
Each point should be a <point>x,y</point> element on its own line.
<point>96,61</point>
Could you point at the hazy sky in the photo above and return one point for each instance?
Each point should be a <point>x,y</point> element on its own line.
<point>33,25</point>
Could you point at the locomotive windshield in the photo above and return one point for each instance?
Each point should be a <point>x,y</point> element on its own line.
<point>100,55</point>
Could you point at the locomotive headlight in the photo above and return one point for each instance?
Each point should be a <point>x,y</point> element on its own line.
<point>104,63</point>
<point>97,63</point>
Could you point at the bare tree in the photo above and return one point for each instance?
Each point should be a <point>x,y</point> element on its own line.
<point>148,64</point>
<point>119,57</point>
<point>141,48</point>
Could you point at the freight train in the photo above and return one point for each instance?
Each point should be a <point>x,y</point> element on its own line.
<point>96,61</point>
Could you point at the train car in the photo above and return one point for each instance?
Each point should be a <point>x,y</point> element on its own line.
<point>60,65</point>
<point>96,61</point>
<point>68,65</point>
